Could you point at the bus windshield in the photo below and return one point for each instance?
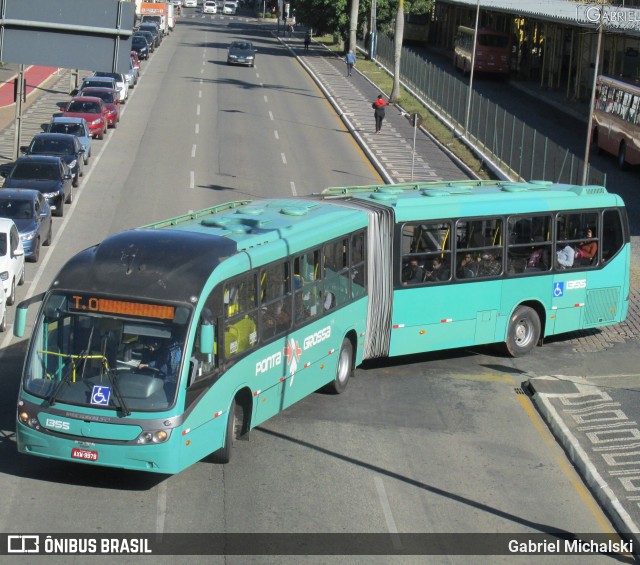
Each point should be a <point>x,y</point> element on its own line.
<point>106,354</point>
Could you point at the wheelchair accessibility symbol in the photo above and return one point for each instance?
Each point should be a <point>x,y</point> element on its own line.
<point>558,289</point>
<point>100,395</point>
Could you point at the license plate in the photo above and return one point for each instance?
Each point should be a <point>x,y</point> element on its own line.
<point>84,454</point>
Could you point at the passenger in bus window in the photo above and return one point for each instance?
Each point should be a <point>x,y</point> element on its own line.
<point>489,265</point>
<point>468,267</point>
<point>587,250</point>
<point>412,273</point>
<point>438,272</point>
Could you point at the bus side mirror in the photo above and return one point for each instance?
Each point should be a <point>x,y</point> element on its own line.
<point>206,339</point>
<point>20,321</point>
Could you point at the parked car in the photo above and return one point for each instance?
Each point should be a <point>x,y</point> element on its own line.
<point>190,3</point>
<point>154,31</point>
<point>97,82</point>
<point>45,173</point>
<point>31,213</point>
<point>73,126</point>
<point>122,84</point>
<point>241,53</point>
<point>93,110</point>
<point>11,259</point>
<point>62,145</point>
<point>140,46</point>
<point>209,7</point>
<point>148,37</point>
<point>229,8</point>
<point>111,100</point>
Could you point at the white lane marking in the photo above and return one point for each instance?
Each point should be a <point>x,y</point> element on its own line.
<point>192,179</point>
<point>162,507</point>
<point>270,115</point>
<point>266,99</point>
<point>388,515</point>
<point>293,188</point>
<point>199,93</point>
<point>284,158</point>
<point>197,129</point>
<point>275,133</point>
<point>258,75</point>
<point>202,70</point>
<point>198,110</point>
<point>193,151</point>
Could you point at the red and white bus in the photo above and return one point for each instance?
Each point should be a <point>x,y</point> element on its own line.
<point>616,119</point>
<point>493,51</point>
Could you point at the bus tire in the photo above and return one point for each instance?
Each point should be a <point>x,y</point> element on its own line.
<point>523,332</point>
<point>223,455</point>
<point>622,157</point>
<point>344,370</point>
<point>3,324</point>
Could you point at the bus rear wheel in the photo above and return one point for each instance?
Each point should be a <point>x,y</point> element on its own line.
<point>523,332</point>
<point>234,421</point>
<point>344,369</point>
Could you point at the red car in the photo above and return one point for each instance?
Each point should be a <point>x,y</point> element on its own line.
<point>111,99</point>
<point>93,110</point>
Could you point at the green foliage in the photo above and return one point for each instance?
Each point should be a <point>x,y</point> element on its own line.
<point>324,16</point>
<point>332,16</point>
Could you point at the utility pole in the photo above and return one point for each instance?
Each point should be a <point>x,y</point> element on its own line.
<point>585,168</point>
<point>473,64</point>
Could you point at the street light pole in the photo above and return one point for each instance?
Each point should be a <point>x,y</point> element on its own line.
<point>473,64</point>
<point>585,167</point>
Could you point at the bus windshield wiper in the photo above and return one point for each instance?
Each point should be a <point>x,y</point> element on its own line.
<point>69,364</point>
<point>70,369</point>
<point>116,391</point>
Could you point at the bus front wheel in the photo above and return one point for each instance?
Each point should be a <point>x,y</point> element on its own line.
<point>344,369</point>
<point>523,332</point>
<point>223,455</point>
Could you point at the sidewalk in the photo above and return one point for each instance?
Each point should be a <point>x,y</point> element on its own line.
<point>36,79</point>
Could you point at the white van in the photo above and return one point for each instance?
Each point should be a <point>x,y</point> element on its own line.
<point>11,259</point>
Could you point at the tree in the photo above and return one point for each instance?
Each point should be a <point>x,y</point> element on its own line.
<point>397,52</point>
<point>324,16</point>
<point>353,24</point>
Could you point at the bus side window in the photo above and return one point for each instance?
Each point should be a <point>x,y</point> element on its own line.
<point>336,273</point>
<point>612,235</point>
<point>240,328</point>
<point>307,280</point>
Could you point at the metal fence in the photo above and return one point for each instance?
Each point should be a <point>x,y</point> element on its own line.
<point>515,147</point>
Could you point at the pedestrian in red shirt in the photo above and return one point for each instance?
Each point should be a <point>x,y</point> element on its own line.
<point>378,111</point>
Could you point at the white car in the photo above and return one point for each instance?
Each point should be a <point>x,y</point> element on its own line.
<point>190,3</point>
<point>209,7</point>
<point>229,8</point>
<point>11,259</point>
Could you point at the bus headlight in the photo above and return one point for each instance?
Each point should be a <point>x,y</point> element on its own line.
<point>28,420</point>
<point>158,436</point>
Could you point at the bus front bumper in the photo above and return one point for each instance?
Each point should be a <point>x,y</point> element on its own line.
<point>155,458</point>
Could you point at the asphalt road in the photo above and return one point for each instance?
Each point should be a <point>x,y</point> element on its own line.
<point>438,443</point>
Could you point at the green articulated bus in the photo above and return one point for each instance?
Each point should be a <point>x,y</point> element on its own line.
<point>162,345</point>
